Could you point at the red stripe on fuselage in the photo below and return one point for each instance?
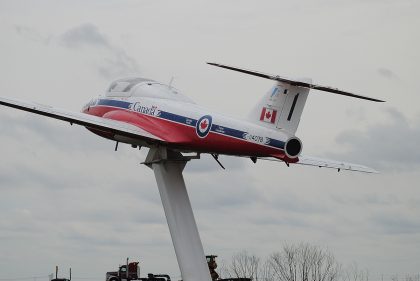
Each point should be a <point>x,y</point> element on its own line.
<point>184,136</point>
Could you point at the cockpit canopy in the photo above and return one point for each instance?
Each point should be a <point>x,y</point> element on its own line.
<point>142,87</point>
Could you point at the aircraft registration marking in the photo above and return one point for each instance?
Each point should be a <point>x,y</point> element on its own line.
<point>256,138</point>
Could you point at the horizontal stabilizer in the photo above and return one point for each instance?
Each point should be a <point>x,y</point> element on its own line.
<point>295,82</point>
<point>326,163</point>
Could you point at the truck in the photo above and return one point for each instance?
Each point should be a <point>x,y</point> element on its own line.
<point>131,271</point>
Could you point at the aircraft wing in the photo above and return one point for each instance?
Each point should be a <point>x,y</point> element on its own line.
<point>86,120</point>
<point>326,163</point>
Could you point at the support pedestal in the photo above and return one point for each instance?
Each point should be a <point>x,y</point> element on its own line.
<point>168,166</point>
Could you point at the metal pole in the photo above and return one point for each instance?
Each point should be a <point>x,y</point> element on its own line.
<point>168,166</point>
<point>126,269</point>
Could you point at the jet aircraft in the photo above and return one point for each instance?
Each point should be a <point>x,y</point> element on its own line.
<point>144,112</point>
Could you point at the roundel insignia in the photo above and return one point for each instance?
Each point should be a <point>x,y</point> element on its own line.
<point>203,126</point>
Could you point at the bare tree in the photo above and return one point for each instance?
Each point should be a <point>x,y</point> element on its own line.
<point>266,272</point>
<point>394,277</point>
<point>223,269</point>
<point>353,273</point>
<point>415,277</point>
<point>244,265</point>
<point>284,264</point>
<point>304,263</point>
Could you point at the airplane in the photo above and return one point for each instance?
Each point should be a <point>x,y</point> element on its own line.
<point>146,113</point>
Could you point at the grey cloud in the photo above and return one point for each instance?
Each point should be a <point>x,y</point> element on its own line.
<point>222,190</point>
<point>295,204</point>
<point>33,178</point>
<point>290,209</point>
<point>396,224</point>
<point>386,73</point>
<point>92,217</point>
<point>293,221</point>
<point>32,34</point>
<point>371,199</point>
<point>84,35</point>
<point>391,145</point>
<point>94,240</point>
<point>110,63</point>
<point>120,64</point>
<point>109,213</point>
<point>55,133</point>
<point>115,62</point>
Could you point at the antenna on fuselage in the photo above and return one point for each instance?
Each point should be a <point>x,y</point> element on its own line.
<point>216,157</point>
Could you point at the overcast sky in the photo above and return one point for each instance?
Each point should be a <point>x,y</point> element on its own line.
<point>66,198</point>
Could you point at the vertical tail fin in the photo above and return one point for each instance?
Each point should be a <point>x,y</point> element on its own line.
<point>281,107</point>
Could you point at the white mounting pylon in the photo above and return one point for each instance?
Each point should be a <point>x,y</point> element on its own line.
<point>168,166</point>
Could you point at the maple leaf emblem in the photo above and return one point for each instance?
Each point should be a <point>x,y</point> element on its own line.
<point>268,115</point>
<point>203,124</point>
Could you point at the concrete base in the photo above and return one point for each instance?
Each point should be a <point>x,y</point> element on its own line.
<point>168,166</point>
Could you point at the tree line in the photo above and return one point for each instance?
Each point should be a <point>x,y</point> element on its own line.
<point>302,262</point>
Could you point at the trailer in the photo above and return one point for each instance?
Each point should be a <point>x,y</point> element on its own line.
<point>131,272</point>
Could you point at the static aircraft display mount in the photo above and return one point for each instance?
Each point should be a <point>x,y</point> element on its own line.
<point>143,112</point>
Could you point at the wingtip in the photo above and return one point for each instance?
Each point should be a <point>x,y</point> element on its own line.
<point>370,170</point>
<point>376,100</point>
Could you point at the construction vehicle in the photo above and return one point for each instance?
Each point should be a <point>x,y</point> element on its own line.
<point>60,279</point>
<point>131,271</point>
<point>211,262</point>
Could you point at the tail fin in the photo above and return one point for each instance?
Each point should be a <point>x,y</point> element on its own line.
<point>281,107</point>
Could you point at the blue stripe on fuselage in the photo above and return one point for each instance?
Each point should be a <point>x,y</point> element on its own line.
<point>177,118</point>
<point>190,122</point>
<point>115,103</point>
